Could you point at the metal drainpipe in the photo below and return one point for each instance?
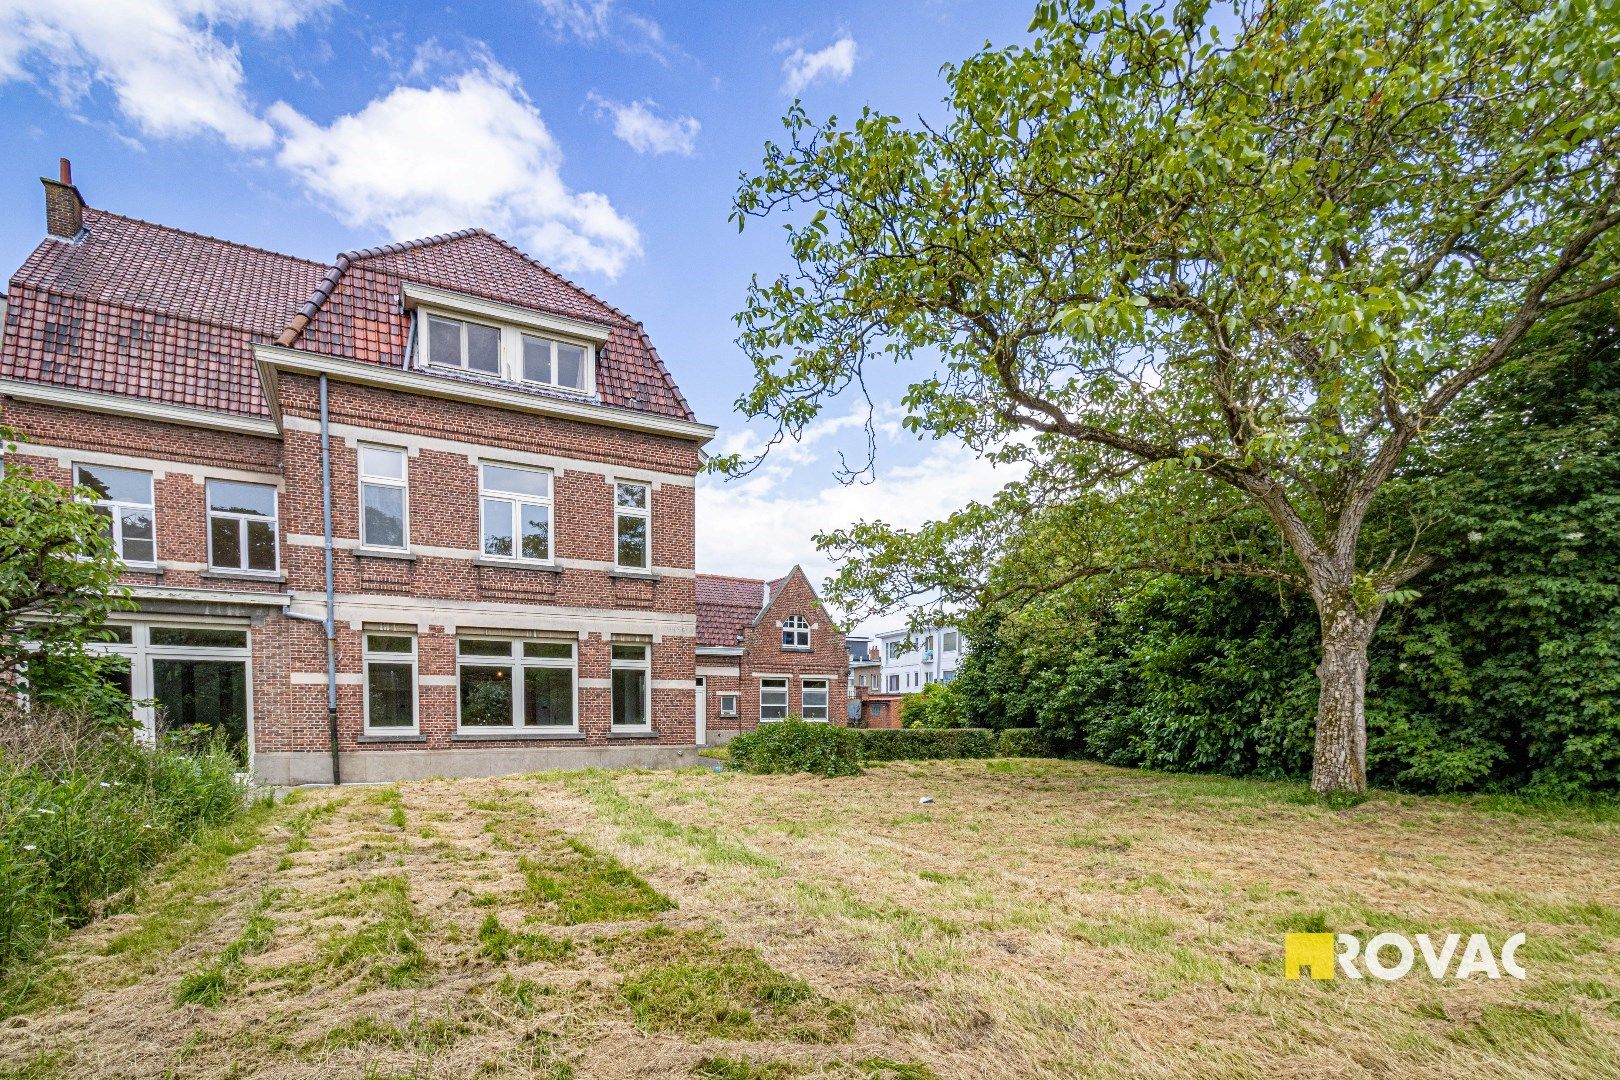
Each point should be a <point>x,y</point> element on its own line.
<point>330,622</point>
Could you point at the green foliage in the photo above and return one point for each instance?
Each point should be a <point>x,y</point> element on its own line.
<point>797,745</point>
<point>924,744</point>
<point>85,812</point>
<point>1023,742</point>
<point>934,706</point>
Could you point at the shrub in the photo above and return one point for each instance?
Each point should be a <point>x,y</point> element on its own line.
<point>797,745</point>
<point>934,706</point>
<point>85,811</point>
<point>1024,742</point>
<point>924,744</point>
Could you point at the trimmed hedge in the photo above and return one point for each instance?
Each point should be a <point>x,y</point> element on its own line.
<point>1024,742</point>
<point>797,745</point>
<point>925,744</point>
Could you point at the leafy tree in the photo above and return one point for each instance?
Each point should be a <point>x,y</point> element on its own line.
<point>1211,286</point>
<point>58,583</point>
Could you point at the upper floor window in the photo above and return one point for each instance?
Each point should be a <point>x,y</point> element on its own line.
<point>949,643</point>
<point>516,509</point>
<point>632,513</point>
<point>795,632</point>
<point>553,363</point>
<point>123,500</point>
<point>459,343</point>
<point>384,499</point>
<point>894,684</point>
<point>897,649</point>
<point>241,526</point>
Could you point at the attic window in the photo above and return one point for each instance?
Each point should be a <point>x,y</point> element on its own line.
<point>507,350</point>
<point>553,363</point>
<point>469,345</point>
<point>796,632</point>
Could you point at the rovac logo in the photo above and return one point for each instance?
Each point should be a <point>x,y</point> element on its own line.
<point>1394,956</point>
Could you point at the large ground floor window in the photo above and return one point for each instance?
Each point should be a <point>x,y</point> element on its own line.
<point>632,687</point>
<point>185,678</point>
<point>517,684</point>
<point>814,693</point>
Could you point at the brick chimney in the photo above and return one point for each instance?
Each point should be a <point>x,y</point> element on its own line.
<point>64,206</point>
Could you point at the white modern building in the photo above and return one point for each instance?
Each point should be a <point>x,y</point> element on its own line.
<point>913,660</point>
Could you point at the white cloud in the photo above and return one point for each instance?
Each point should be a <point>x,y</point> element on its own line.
<point>171,73</point>
<point>595,22</point>
<point>644,131</point>
<point>472,150</point>
<point>761,525</point>
<point>800,69</point>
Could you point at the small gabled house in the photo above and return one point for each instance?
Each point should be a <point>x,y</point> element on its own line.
<point>767,650</point>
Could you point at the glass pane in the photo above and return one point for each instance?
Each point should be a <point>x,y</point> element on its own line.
<point>570,366</point>
<point>474,647</point>
<point>375,461</point>
<point>113,632</point>
<point>631,495</point>
<point>234,498</point>
<point>517,481</point>
<point>444,341</point>
<point>548,697</point>
<point>486,697</point>
<point>536,531</point>
<point>261,537</point>
<point>549,650</point>
<point>139,551</point>
<point>629,697</point>
<point>196,637</point>
<point>484,348</point>
<point>497,527</point>
<point>389,695</point>
<point>632,548</point>
<point>225,540</point>
<point>105,514</point>
<point>137,524</point>
<point>630,652</point>
<point>117,485</point>
<point>206,694</point>
<point>536,359</point>
<point>388,643</point>
<point>384,522</point>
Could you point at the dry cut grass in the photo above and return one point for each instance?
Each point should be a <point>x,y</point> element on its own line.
<point>1036,919</point>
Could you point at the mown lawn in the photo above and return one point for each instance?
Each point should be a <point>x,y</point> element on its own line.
<point>1036,919</point>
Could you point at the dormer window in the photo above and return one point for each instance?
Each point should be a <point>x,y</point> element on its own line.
<point>553,363</point>
<point>503,341</point>
<point>469,345</point>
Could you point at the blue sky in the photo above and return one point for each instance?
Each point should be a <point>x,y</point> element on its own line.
<point>605,137</point>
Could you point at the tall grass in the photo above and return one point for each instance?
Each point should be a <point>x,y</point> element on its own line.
<point>85,811</point>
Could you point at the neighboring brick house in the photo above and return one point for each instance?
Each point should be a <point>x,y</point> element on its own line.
<point>767,650</point>
<point>502,554</point>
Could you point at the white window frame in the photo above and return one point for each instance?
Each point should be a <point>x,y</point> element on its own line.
<point>241,526</point>
<point>621,512</point>
<point>805,687</point>
<point>426,331</point>
<point>140,651</point>
<point>796,628</point>
<point>587,362</point>
<point>515,662</point>
<point>513,501</point>
<point>396,659</point>
<point>894,684</point>
<point>950,642</point>
<point>729,712</point>
<point>402,482</point>
<point>781,683</point>
<point>116,508</point>
<point>644,665</point>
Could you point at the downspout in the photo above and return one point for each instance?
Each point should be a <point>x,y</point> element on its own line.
<point>331,600</point>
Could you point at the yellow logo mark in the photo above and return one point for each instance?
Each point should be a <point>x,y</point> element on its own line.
<point>1308,951</point>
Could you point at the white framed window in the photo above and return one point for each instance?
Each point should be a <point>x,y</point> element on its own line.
<point>894,684</point>
<point>390,673</point>
<point>461,343</point>
<point>384,498</point>
<point>950,641</point>
<point>728,704</point>
<point>632,687</point>
<point>550,362</point>
<point>122,498</point>
<point>632,524</point>
<point>773,699</point>
<point>515,512</point>
<point>242,526</point>
<point>795,632</point>
<point>517,684</point>
<point>896,649</point>
<point>813,696</point>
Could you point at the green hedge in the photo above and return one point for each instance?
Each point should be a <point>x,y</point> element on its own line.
<point>1024,742</point>
<point>797,745</point>
<point>925,744</point>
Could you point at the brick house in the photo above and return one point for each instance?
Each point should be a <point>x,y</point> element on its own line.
<point>767,650</point>
<point>425,510</point>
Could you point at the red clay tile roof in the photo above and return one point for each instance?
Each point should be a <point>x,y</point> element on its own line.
<point>725,607</point>
<point>158,313</point>
<point>150,312</point>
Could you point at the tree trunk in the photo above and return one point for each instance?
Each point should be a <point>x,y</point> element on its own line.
<point>1340,764</point>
